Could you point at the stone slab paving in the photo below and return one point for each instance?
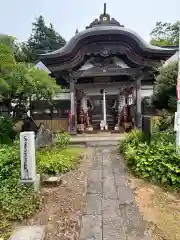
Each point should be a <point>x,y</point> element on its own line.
<point>111,212</point>
<point>28,233</point>
<point>108,138</point>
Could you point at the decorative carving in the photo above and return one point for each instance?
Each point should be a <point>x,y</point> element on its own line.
<point>116,23</point>
<point>122,110</point>
<point>95,49</point>
<point>105,53</point>
<point>102,72</point>
<point>84,110</point>
<point>104,19</point>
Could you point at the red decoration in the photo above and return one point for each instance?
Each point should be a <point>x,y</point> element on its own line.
<point>178,90</point>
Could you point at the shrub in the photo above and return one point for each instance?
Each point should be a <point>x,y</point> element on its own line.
<point>16,201</point>
<point>133,138</point>
<point>166,120</point>
<point>158,161</point>
<point>9,162</point>
<point>56,161</point>
<point>7,134</point>
<point>62,140</point>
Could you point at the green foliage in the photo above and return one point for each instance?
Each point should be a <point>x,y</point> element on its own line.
<point>166,120</point>
<point>19,81</point>
<point>7,134</point>
<point>56,161</point>
<point>165,34</point>
<point>159,42</point>
<point>134,138</point>
<point>43,86</point>
<point>11,42</point>
<point>7,60</point>
<point>164,96</point>
<point>9,163</point>
<point>42,40</point>
<point>157,161</point>
<point>16,201</point>
<point>62,140</point>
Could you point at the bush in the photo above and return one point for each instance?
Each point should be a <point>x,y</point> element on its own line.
<point>166,120</point>
<point>133,138</point>
<point>62,140</point>
<point>56,161</point>
<point>16,201</point>
<point>9,163</point>
<point>7,134</point>
<point>158,161</point>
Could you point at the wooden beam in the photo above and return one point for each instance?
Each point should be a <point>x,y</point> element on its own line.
<point>72,81</point>
<point>139,79</point>
<point>98,72</point>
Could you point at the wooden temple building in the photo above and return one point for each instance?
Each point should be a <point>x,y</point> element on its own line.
<point>107,70</point>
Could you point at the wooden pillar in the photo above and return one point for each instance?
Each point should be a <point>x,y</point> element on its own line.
<point>73,110</point>
<point>138,103</point>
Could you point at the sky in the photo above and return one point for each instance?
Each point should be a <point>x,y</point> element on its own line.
<point>16,16</point>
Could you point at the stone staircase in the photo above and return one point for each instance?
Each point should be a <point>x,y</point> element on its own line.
<point>101,138</point>
<point>96,119</point>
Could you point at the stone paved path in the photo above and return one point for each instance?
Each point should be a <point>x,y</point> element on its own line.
<point>111,212</point>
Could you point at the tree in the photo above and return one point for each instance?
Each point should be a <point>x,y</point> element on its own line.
<point>19,82</point>
<point>164,96</point>
<point>17,47</point>
<point>165,34</point>
<point>42,40</point>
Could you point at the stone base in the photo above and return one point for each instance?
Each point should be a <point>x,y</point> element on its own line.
<point>116,128</point>
<point>34,182</point>
<point>80,127</point>
<point>90,128</point>
<point>52,181</point>
<point>73,133</point>
<point>106,127</point>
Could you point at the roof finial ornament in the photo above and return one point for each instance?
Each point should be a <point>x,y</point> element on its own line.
<point>104,8</point>
<point>77,31</point>
<point>104,19</point>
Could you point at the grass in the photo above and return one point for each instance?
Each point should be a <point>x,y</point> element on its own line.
<point>56,161</point>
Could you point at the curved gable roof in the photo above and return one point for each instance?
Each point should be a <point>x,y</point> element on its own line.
<point>106,31</point>
<point>101,35</point>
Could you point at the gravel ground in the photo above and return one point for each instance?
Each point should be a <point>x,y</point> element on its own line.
<point>159,207</point>
<point>64,206</point>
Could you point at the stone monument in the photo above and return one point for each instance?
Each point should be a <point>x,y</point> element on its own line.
<point>28,160</point>
<point>44,137</point>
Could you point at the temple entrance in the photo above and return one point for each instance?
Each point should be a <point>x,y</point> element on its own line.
<point>110,106</point>
<point>97,113</point>
<point>106,55</point>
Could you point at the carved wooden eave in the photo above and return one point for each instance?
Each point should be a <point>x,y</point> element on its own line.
<point>105,40</point>
<point>133,59</point>
<point>105,36</point>
<point>106,71</point>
